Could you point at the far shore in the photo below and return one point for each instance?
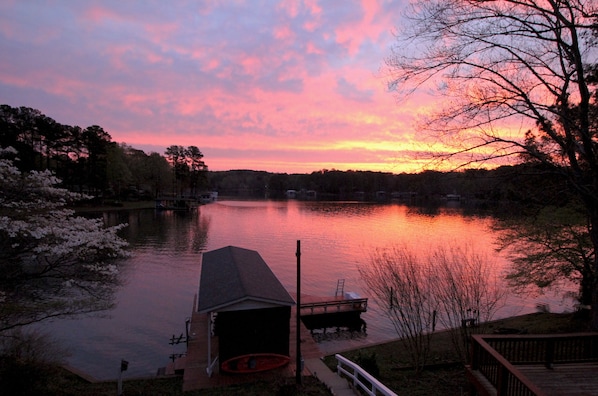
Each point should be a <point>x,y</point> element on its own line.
<point>110,206</point>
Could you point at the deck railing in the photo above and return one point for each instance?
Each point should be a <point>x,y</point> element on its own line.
<point>496,358</point>
<point>359,304</point>
<point>361,378</point>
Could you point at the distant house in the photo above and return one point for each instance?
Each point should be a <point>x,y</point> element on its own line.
<point>248,308</point>
<point>453,197</point>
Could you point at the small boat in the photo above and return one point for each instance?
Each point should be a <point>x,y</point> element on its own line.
<point>254,363</point>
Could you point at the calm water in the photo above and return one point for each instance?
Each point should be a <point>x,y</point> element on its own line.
<point>162,276</point>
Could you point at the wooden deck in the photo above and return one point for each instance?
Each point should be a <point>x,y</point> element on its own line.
<point>545,364</point>
<point>571,379</point>
<point>196,361</point>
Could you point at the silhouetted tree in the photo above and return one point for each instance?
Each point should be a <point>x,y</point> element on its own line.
<point>510,62</point>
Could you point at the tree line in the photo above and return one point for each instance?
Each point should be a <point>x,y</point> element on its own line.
<point>87,160</point>
<point>522,185</point>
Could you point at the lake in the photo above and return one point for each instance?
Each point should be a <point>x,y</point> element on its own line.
<point>161,277</point>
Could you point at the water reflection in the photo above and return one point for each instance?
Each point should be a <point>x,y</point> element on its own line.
<point>176,231</point>
<point>162,275</point>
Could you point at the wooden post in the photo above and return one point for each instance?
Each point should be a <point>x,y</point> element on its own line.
<point>187,323</point>
<point>549,353</point>
<point>209,368</point>
<point>298,364</point>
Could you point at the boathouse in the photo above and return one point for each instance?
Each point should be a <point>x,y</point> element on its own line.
<point>248,309</point>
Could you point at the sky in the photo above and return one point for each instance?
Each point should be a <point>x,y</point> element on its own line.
<point>279,86</point>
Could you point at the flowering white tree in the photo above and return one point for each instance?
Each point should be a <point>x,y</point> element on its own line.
<point>52,263</point>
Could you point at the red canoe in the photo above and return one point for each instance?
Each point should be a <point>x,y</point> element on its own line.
<point>254,363</point>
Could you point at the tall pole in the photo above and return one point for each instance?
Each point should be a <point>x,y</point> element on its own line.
<point>123,367</point>
<point>298,338</point>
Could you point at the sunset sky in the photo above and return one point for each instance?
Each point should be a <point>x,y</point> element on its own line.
<point>280,86</point>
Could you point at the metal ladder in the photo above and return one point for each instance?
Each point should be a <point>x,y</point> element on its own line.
<point>340,288</point>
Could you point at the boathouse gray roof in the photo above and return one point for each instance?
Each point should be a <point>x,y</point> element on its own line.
<point>234,278</point>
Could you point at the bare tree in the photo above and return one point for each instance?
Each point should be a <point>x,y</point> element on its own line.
<point>455,286</point>
<point>402,286</point>
<point>507,63</point>
<point>469,290</point>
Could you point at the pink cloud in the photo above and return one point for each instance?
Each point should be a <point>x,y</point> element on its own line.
<point>284,88</point>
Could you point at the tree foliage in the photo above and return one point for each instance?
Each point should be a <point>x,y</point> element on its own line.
<point>52,262</point>
<point>29,362</point>
<point>502,60</point>
<point>549,250</point>
<point>86,159</point>
<point>188,167</point>
<point>503,64</point>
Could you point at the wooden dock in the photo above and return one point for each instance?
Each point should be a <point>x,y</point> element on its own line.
<point>333,312</point>
<point>311,305</point>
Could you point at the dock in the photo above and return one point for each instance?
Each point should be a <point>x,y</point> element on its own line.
<point>195,375</point>
<point>168,203</point>
<point>333,312</point>
<point>312,305</point>
<point>194,364</point>
<point>242,309</point>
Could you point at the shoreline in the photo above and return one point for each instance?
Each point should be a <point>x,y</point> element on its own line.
<point>132,205</point>
<point>531,323</point>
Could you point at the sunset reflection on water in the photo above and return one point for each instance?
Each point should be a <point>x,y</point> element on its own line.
<point>161,277</point>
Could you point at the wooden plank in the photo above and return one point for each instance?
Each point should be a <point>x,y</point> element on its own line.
<point>333,304</point>
<point>574,379</point>
<point>563,364</point>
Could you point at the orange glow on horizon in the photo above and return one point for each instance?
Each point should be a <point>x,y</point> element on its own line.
<point>296,87</point>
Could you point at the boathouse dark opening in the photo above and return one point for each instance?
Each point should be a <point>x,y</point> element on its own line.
<point>253,331</point>
<point>248,305</point>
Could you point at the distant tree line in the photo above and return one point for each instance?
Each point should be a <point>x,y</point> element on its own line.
<point>525,185</point>
<point>87,160</point>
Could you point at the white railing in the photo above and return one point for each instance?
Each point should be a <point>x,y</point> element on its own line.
<point>356,374</point>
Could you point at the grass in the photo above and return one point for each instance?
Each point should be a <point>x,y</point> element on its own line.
<point>445,374</point>
<point>68,384</point>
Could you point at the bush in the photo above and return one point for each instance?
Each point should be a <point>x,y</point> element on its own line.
<point>28,363</point>
<point>369,364</point>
